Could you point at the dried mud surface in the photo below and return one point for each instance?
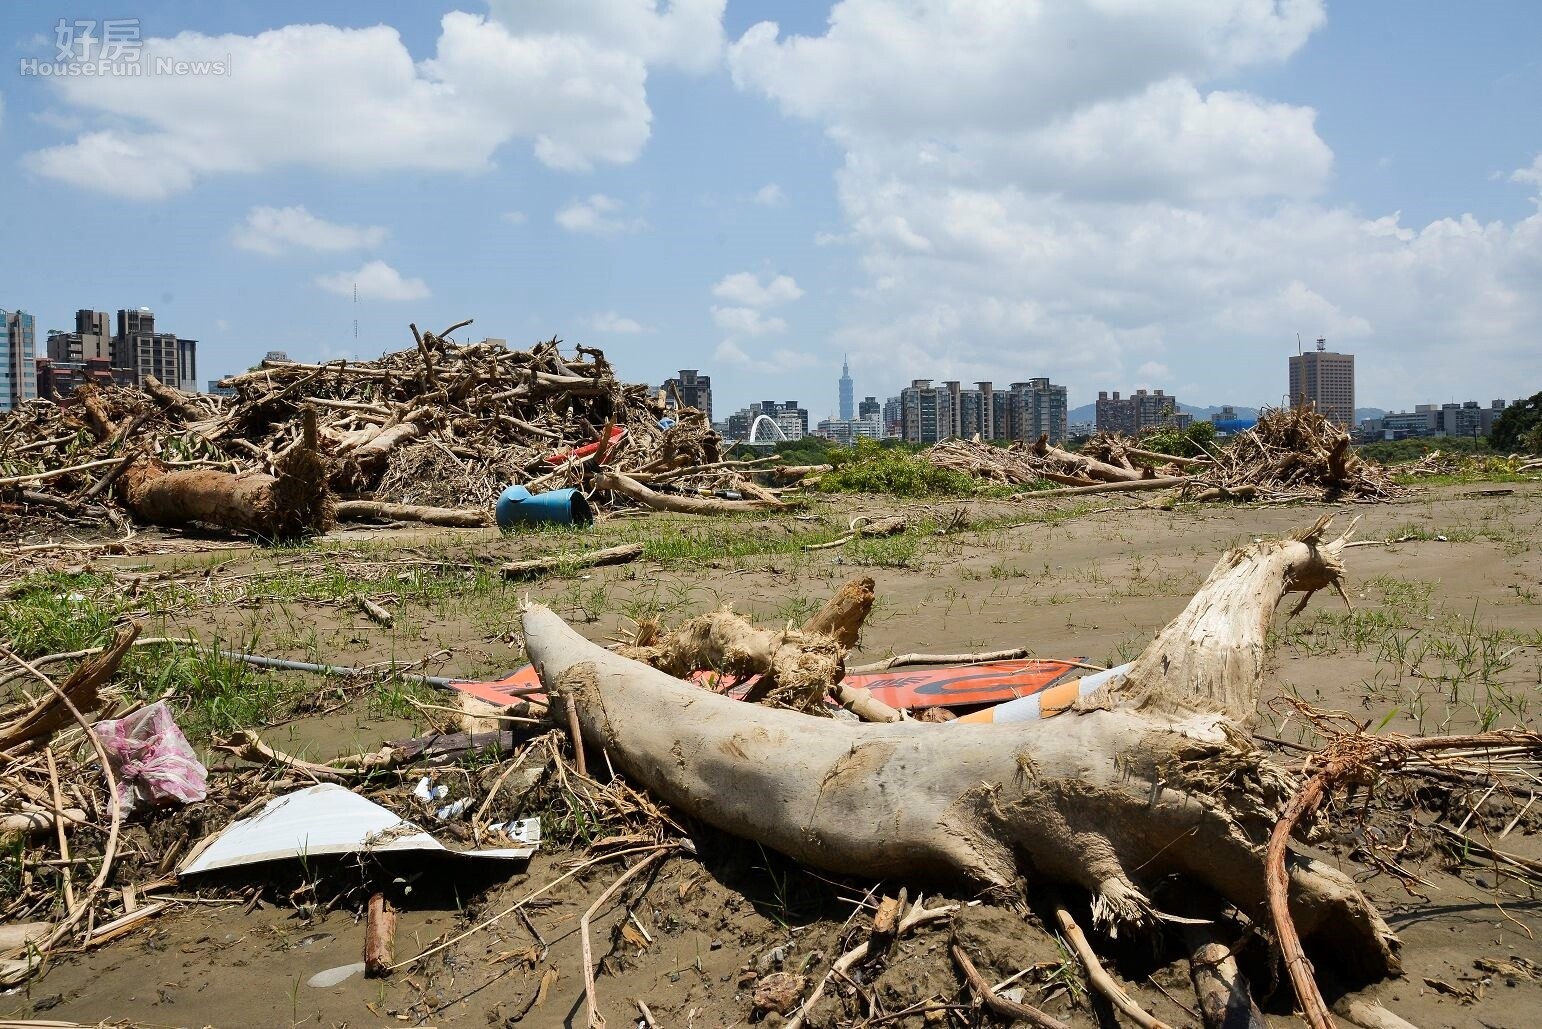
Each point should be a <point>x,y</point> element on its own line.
<point>706,928</point>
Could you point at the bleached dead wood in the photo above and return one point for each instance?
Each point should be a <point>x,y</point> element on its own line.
<point>1125,486</point>
<point>559,562</point>
<point>635,491</point>
<point>1152,777</point>
<point>458,517</point>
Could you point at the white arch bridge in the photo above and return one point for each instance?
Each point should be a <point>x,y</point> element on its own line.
<point>775,435</point>
<point>764,431</point>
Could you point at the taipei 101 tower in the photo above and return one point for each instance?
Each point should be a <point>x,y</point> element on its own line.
<point>848,393</point>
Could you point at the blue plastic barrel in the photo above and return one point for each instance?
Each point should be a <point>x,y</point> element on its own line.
<point>518,506</point>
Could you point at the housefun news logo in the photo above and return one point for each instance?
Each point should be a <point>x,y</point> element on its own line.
<point>112,48</point>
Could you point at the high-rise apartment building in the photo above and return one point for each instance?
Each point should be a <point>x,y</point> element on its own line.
<point>1138,413</point>
<point>139,350</point>
<point>95,331</point>
<point>18,359</point>
<point>1325,380</point>
<point>870,409</point>
<point>689,389</point>
<point>91,340</point>
<point>1025,411</point>
<point>1039,408</point>
<point>848,391</point>
<point>926,414</point>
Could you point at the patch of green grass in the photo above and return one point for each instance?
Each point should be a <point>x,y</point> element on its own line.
<point>53,613</point>
<point>212,695</point>
<point>1438,669</point>
<point>884,552</point>
<point>13,851</point>
<point>1476,471</point>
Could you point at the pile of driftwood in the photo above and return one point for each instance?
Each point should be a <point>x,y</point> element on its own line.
<point>1107,464</point>
<point>433,433</point>
<point>1292,454</point>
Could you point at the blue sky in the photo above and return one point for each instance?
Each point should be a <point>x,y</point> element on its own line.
<point>1112,194</point>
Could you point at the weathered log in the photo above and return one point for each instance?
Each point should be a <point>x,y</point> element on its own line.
<point>1368,1014</point>
<point>292,504</point>
<point>1224,999</point>
<point>633,490</point>
<point>841,619</point>
<point>560,562</point>
<point>1142,783</point>
<point>172,399</point>
<point>891,526</point>
<point>843,614</point>
<point>1125,486</point>
<point>458,517</point>
<point>1210,659</point>
<point>379,937</point>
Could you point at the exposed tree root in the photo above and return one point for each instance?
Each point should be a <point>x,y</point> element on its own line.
<point>795,668</point>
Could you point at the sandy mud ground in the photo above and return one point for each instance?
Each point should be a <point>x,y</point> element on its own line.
<point>1446,636</point>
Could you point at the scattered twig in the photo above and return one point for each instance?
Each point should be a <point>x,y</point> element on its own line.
<point>591,1006</point>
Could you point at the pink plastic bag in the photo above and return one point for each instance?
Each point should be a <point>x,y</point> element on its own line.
<point>152,760</point>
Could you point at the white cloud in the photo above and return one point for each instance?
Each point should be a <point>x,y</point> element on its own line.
<point>745,289</point>
<point>598,215</point>
<point>614,324</point>
<point>770,195</point>
<point>746,320</point>
<point>1004,67</point>
<point>1154,371</point>
<point>514,217</point>
<point>376,281</point>
<point>1532,173</point>
<point>687,34</point>
<point>353,101</point>
<point>1065,193</point>
<point>770,362</point>
<point>277,230</point>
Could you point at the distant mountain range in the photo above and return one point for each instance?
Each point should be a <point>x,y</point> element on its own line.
<point>1089,412</point>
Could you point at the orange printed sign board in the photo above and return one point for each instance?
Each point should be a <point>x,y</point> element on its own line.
<point>993,682</point>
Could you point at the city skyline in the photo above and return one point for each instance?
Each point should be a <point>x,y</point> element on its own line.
<point>755,199</point>
<point>185,376</point>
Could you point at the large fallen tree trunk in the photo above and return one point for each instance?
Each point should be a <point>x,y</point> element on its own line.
<point>293,503</point>
<point>1152,777</point>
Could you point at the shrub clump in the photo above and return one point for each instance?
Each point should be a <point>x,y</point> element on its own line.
<point>1195,441</point>
<point>869,467</point>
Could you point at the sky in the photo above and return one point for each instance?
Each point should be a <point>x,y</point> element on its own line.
<point>1111,193</point>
